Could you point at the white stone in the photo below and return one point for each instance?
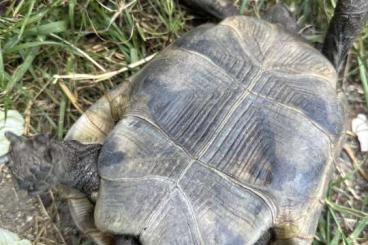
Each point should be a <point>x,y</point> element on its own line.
<point>14,122</point>
<point>359,125</point>
<point>10,238</point>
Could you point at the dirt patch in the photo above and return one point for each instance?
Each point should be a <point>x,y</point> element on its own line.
<point>41,219</point>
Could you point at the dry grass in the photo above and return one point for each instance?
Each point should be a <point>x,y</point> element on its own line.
<point>57,57</point>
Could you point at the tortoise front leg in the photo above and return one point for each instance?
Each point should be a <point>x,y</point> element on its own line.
<point>347,22</point>
<point>95,124</point>
<point>93,127</point>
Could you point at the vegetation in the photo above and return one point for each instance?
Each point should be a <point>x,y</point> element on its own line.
<point>58,56</point>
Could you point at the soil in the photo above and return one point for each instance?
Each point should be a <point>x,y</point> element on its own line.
<point>36,218</point>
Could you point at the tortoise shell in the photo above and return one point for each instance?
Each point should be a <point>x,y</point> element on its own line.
<point>231,130</point>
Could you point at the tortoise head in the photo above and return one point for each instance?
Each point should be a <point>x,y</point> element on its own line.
<point>32,161</point>
<point>40,162</point>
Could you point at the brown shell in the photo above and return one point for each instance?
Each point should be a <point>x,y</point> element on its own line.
<point>230,131</point>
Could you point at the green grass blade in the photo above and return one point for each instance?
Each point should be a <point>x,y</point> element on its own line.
<point>49,120</point>
<point>25,20</point>
<point>364,78</point>
<point>4,102</point>
<point>28,45</point>
<point>346,210</point>
<point>22,69</point>
<point>46,29</point>
<point>19,6</point>
<point>71,13</point>
<point>243,6</point>
<point>2,70</point>
<point>360,227</point>
<point>339,229</point>
<point>336,239</point>
<point>60,131</point>
<point>36,17</point>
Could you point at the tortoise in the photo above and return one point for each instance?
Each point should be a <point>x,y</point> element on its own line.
<point>227,137</point>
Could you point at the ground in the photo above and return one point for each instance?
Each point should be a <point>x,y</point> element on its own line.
<point>56,59</point>
<point>37,219</point>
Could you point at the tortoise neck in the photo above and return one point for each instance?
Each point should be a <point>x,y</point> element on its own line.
<point>79,171</point>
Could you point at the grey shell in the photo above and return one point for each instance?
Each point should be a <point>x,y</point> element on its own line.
<point>229,131</point>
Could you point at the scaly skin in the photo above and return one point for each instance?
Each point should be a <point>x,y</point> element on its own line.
<point>347,22</point>
<point>40,162</point>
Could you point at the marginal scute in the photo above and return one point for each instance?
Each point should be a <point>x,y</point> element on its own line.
<point>173,218</point>
<point>278,51</point>
<point>125,206</point>
<point>225,212</point>
<point>254,35</point>
<point>96,123</point>
<point>236,61</point>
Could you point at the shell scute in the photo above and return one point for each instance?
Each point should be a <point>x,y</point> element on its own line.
<point>225,211</point>
<point>136,149</point>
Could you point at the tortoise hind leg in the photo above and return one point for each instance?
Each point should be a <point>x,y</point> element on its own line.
<point>219,9</point>
<point>82,211</point>
<point>280,14</point>
<point>126,240</point>
<point>347,22</point>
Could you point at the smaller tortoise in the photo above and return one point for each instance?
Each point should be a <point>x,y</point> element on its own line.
<point>228,133</point>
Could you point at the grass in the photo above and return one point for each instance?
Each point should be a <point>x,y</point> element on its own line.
<point>50,38</point>
<point>57,57</point>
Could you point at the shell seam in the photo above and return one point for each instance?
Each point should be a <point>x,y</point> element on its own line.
<point>259,64</point>
<point>253,189</point>
<point>153,216</point>
<point>191,211</point>
<point>148,177</point>
<point>245,186</point>
<point>263,96</point>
